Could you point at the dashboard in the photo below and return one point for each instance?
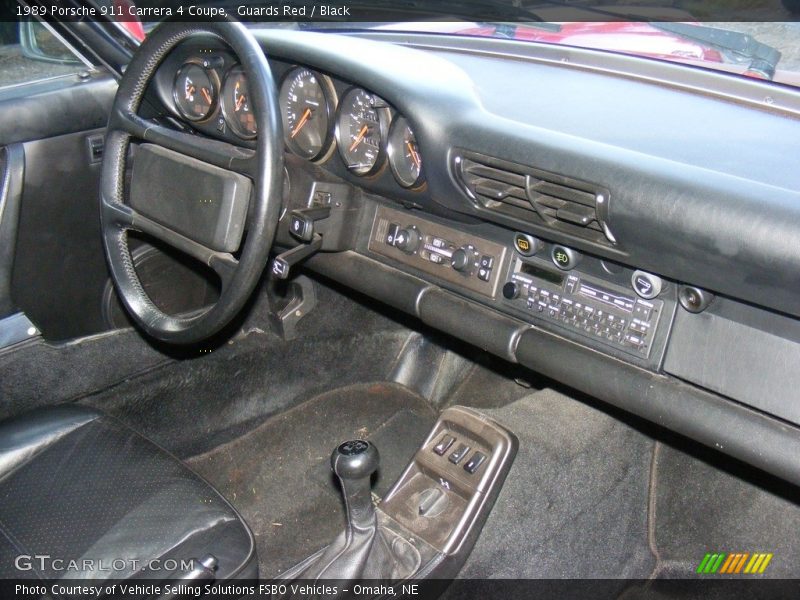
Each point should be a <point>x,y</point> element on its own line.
<point>324,118</point>
<point>628,227</point>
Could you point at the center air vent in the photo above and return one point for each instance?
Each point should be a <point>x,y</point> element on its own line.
<point>530,196</point>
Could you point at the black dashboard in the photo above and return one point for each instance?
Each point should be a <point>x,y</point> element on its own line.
<point>629,227</point>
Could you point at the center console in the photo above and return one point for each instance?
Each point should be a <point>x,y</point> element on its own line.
<point>448,490</point>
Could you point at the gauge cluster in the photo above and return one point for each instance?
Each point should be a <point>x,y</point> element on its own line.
<point>331,122</point>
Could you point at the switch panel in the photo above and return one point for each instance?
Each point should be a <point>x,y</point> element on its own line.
<point>454,256</point>
<point>446,492</point>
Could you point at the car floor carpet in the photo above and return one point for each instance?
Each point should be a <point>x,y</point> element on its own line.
<point>705,502</point>
<point>38,373</point>
<point>598,494</point>
<point>190,407</point>
<point>278,475</point>
<point>193,405</point>
<point>575,503</point>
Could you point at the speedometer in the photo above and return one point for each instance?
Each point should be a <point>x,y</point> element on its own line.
<point>305,108</point>
<point>360,131</point>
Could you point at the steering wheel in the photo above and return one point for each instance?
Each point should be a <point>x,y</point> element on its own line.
<point>263,167</point>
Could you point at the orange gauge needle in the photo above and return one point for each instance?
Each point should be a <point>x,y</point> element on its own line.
<point>239,102</point>
<point>303,120</point>
<point>414,155</point>
<point>206,95</point>
<point>189,92</point>
<point>359,137</point>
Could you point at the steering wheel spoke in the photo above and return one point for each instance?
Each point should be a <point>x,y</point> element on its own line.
<point>223,263</point>
<point>118,215</point>
<point>215,152</point>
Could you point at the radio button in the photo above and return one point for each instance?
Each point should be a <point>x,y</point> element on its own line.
<point>572,284</point>
<point>510,290</point>
<point>642,311</point>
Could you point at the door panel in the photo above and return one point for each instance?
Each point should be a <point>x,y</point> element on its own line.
<point>59,270</point>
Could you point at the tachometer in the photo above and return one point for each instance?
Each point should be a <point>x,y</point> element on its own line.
<point>236,104</point>
<point>359,131</point>
<point>404,158</point>
<point>195,92</point>
<point>305,108</point>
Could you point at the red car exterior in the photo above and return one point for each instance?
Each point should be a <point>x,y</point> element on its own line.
<point>628,37</point>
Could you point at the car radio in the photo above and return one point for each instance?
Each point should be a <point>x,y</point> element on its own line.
<point>598,311</point>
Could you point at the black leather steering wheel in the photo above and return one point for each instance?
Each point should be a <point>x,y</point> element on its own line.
<point>264,167</point>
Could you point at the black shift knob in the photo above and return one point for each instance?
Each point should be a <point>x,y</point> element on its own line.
<point>354,462</point>
<point>355,459</point>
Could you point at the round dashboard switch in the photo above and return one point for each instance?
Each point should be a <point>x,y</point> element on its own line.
<point>646,284</point>
<point>564,258</point>
<point>525,244</point>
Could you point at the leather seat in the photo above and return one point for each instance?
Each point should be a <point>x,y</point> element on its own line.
<point>77,485</point>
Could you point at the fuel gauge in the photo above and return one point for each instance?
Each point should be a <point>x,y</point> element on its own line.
<point>404,158</point>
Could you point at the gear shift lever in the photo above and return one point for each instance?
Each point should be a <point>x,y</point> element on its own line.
<point>354,462</point>
<point>363,550</point>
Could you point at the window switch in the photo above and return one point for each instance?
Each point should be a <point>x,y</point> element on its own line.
<point>458,454</point>
<point>444,444</point>
<point>474,463</point>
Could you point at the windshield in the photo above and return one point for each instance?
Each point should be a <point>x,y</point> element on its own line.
<point>683,33</point>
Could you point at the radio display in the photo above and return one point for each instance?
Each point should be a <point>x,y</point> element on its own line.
<point>546,274</point>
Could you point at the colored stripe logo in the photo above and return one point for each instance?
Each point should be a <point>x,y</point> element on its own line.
<point>734,563</point>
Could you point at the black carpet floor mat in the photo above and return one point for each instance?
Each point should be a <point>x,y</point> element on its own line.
<point>278,475</point>
<point>707,503</point>
<point>593,495</point>
<point>575,504</point>
<point>40,374</point>
<point>192,406</point>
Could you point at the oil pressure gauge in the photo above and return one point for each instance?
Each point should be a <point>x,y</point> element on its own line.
<point>404,158</point>
<point>195,92</point>
<point>236,104</point>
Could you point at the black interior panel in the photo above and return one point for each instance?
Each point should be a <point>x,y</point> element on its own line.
<point>55,107</point>
<point>741,352</point>
<point>60,270</point>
